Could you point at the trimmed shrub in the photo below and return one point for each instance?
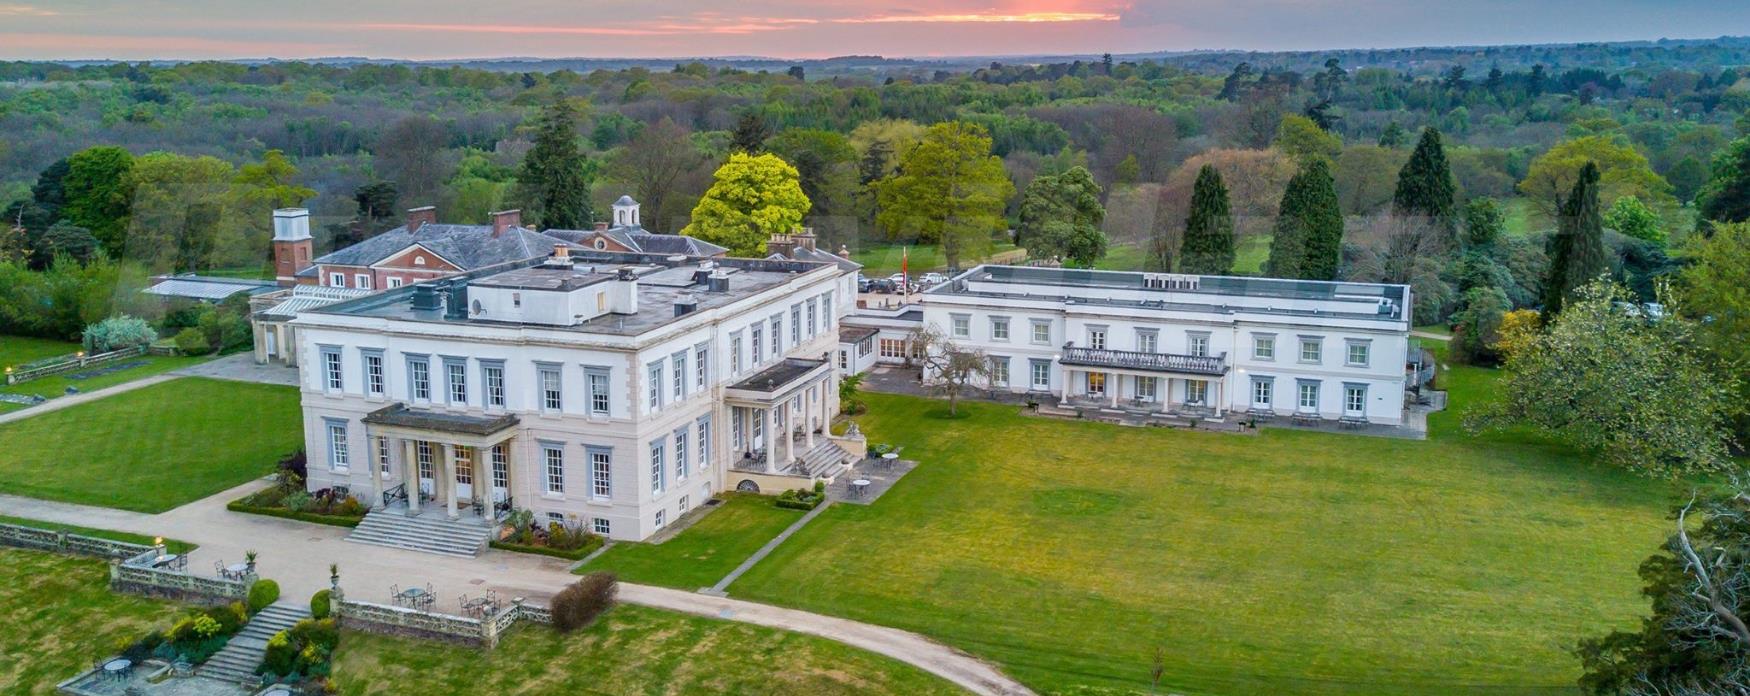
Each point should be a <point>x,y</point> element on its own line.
<point>261,594</point>
<point>191,341</point>
<point>321,604</point>
<point>581,602</point>
<point>118,332</point>
<point>800,499</point>
<point>281,654</point>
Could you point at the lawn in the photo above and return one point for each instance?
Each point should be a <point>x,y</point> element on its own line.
<point>60,616</point>
<point>56,385</point>
<point>18,350</point>
<point>631,650</point>
<point>154,448</point>
<point>1249,255</point>
<point>880,261</point>
<point>701,554</point>
<point>1286,562</point>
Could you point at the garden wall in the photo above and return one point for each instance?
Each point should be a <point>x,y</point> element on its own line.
<point>64,542</point>
<point>401,621</point>
<point>137,576</point>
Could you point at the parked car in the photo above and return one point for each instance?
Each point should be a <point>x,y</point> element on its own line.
<point>932,278</point>
<point>863,283</point>
<point>882,286</point>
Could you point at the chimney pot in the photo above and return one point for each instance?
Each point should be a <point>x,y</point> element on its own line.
<point>420,217</point>
<point>601,227</point>
<point>561,251</point>
<point>504,220</point>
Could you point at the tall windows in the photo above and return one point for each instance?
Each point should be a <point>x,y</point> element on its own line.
<point>811,325</point>
<point>826,312</point>
<point>680,453</point>
<point>1197,392</point>
<point>999,329</point>
<point>337,454</point>
<point>383,455</point>
<point>704,428</point>
<point>373,360</point>
<point>679,375</point>
<point>456,375</point>
<point>735,428</point>
<point>1148,340</point>
<point>1097,337</point>
<point>1355,400</point>
<point>796,324</point>
<point>552,387</point>
<point>598,390</point>
<point>1263,346</point>
<point>756,334</point>
<point>464,465</point>
<point>653,393</point>
<point>331,374</point>
<point>423,458</point>
<point>1309,396</point>
<point>1145,388</point>
<point>418,377</point>
<point>553,457</point>
<point>1096,383</point>
<point>1197,343</point>
<point>492,378</point>
<point>777,334</point>
<point>999,370</point>
<point>1040,374</point>
<point>1263,391</point>
<point>701,367</point>
<point>601,461</point>
<point>500,467</point>
<point>892,348</point>
<point>735,353</point>
<point>658,467</point>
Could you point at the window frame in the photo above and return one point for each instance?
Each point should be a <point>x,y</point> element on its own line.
<point>1197,343</point>
<point>487,398</point>
<point>1357,393</point>
<point>999,377</point>
<point>1034,326</point>
<point>339,449</point>
<point>602,375</point>
<point>455,379</point>
<point>418,379</point>
<point>333,370</point>
<point>1036,368</point>
<point>601,471</point>
<point>1268,343</point>
<point>1303,389</point>
<point>1148,340</point>
<point>658,466</point>
<point>1265,387</point>
<point>999,322</point>
<point>960,326</point>
<point>552,467</point>
<point>1349,346</point>
<point>703,425</point>
<point>653,384</point>
<point>1317,343</point>
<point>552,397</point>
<point>681,436</point>
<point>376,381</point>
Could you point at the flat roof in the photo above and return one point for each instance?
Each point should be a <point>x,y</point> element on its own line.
<point>779,376</point>
<point>662,280</point>
<point>399,415</point>
<point>1205,296</point>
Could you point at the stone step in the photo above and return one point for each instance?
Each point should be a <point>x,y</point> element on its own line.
<point>428,533</point>
<point>237,661</point>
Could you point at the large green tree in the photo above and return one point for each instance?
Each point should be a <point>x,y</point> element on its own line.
<point>1715,288</point>
<point>751,197</point>
<point>1425,188</point>
<point>98,192</point>
<point>1301,138</point>
<point>1622,171</point>
<point>1308,238</point>
<point>827,165</point>
<point>553,183</point>
<point>1061,216</point>
<point>1634,390</point>
<point>661,168</point>
<point>1208,245</point>
<point>1726,196</point>
<point>949,190</point>
<point>1577,255</point>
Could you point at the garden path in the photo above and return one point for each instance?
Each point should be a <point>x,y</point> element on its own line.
<point>59,403</point>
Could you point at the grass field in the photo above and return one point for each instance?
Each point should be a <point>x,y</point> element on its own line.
<point>56,386</point>
<point>701,554</point>
<point>154,448</point>
<point>631,650</point>
<point>882,260</point>
<point>60,616</point>
<point>1287,562</point>
<point>1249,256</point>
<point>18,350</point>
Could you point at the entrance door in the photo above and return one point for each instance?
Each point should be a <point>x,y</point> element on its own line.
<point>427,481</point>
<point>464,473</point>
<point>500,474</point>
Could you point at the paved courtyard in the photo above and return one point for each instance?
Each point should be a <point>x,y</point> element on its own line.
<point>241,367</point>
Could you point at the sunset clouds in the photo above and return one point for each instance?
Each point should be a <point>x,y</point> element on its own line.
<point>424,29</point>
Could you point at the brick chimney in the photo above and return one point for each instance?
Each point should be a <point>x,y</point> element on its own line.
<point>601,227</point>
<point>504,220</point>
<point>806,238</point>
<point>420,217</point>
<point>781,244</point>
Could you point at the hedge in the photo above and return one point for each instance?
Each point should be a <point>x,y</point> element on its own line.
<point>574,555</point>
<point>318,518</point>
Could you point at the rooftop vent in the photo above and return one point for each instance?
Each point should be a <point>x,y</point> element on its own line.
<point>626,273</point>
<point>718,281</point>
<point>425,298</point>
<point>456,306</point>
<point>686,304</point>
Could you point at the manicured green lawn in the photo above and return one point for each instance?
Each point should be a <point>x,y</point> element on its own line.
<point>154,448</point>
<point>18,350</point>
<point>60,616</point>
<point>171,545</point>
<point>880,261</point>
<point>56,386</point>
<point>631,650</point>
<point>1285,562</point>
<point>701,554</point>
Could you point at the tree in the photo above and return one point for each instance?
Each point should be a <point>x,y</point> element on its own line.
<point>270,183</point>
<point>1687,177</point>
<point>1365,177</point>
<point>1425,187</point>
<point>1483,223</point>
<point>1299,137</point>
<point>750,134</point>
<point>949,190</point>
<point>1632,389</point>
<point>376,201</point>
<point>64,239</point>
<point>1716,289</point>
<point>98,194</point>
<point>1061,216</point>
<point>948,369</point>
<point>1577,254</point>
<point>413,153</point>
<point>1393,136</point>
<point>553,184</point>
<point>1309,227</point>
<point>1517,332</point>
<point>1629,216</point>
<point>1478,326</point>
<point>1726,196</point>
<point>1208,245</point>
<point>827,167</point>
<point>1621,172</point>
<point>751,197</point>
<point>659,165</point>
<point>186,215</point>
<point>1695,642</point>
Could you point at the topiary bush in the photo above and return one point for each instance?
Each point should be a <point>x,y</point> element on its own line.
<point>321,604</point>
<point>261,594</point>
<point>281,654</point>
<point>581,602</point>
<point>118,332</point>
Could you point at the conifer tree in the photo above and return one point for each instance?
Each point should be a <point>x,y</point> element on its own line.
<point>553,184</point>
<point>1577,254</point>
<point>1309,227</point>
<point>1425,188</point>
<point>1208,245</point>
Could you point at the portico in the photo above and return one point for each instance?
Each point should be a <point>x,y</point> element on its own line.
<point>444,457</point>
<point>774,408</point>
<point>1163,382</point>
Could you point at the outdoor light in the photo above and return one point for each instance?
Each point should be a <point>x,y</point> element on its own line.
<point>79,354</point>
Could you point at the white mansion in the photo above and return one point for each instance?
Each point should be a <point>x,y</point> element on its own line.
<point>1185,344</point>
<point>611,390</point>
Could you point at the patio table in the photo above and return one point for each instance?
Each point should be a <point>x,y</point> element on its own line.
<point>237,569</point>
<point>888,459</point>
<point>165,561</point>
<point>118,667</point>
<point>859,487</point>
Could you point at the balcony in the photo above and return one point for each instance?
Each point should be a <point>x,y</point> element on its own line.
<point>1213,366</point>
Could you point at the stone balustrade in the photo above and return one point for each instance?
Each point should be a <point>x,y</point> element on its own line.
<point>63,542</point>
<point>402,621</point>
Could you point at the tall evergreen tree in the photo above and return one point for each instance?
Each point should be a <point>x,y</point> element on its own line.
<point>1577,255</point>
<point>1208,245</point>
<point>750,134</point>
<point>1309,227</point>
<point>1425,188</point>
<point>553,184</point>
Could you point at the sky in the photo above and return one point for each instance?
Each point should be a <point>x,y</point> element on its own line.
<point>438,29</point>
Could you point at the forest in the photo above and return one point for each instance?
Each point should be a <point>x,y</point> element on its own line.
<point>1103,162</point>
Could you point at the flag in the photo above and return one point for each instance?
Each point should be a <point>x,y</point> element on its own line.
<point>904,275</point>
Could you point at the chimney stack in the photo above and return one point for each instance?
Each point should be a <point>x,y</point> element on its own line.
<point>601,227</point>
<point>420,217</point>
<point>781,244</point>
<point>806,239</point>
<point>504,220</point>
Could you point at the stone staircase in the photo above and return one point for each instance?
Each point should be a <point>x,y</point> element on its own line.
<point>236,662</point>
<point>826,459</point>
<point>431,532</point>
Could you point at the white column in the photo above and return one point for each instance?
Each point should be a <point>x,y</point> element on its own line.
<point>808,419</point>
<point>1113,382</point>
<point>376,469</point>
<point>789,443</point>
<point>449,479</point>
<point>771,443</point>
<point>410,474</point>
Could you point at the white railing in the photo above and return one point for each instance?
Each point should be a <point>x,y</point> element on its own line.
<point>70,363</point>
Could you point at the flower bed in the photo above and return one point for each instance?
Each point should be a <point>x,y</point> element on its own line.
<point>801,499</point>
<point>559,540</point>
<point>322,507</point>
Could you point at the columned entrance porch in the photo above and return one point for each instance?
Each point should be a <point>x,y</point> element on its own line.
<point>453,464</point>
<point>780,416</point>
